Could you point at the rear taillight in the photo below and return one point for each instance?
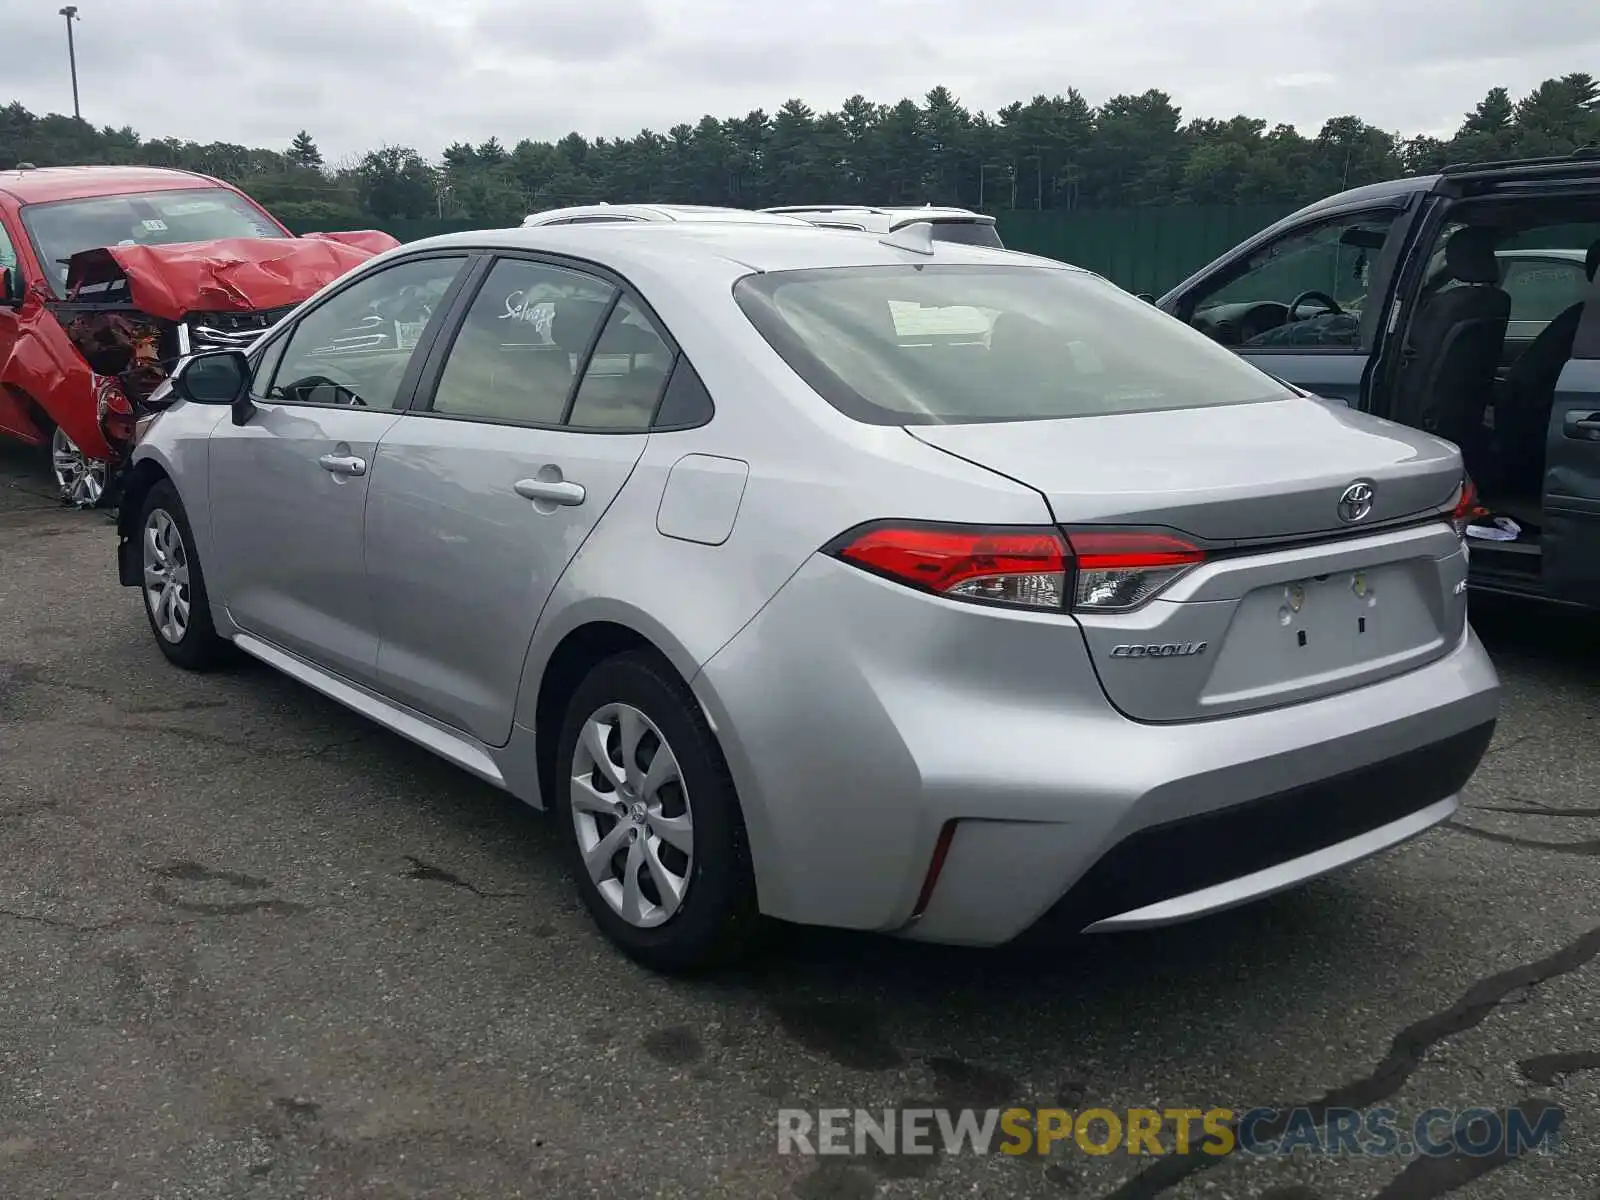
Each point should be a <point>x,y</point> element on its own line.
<point>1119,571</point>
<point>1467,506</point>
<point>1035,568</point>
<point>1022,568</point>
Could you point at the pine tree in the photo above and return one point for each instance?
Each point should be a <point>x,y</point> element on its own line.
<point>303,151</point>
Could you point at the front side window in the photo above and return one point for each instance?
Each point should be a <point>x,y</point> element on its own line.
<point>520,346</point>
<point>353,350</point>
<point>915,345</point>
<point>8,251</point>
<point>63,228</point>
<point>1308,289</point>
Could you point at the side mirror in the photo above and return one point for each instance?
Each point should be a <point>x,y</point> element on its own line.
<point>13,291</point>
<point>220,377</point>
<point>1147,297</point>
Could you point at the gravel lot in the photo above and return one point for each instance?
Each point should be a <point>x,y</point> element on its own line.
<point>251,946</point>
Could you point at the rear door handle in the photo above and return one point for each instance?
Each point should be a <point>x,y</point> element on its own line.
<point>343,464</point>
<point>1583,425</point>
<point>551,491</point>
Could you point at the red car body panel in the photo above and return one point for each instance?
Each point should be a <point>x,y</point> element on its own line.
<point>227,275</point>
<point>39,362</point>
<point>43,370</point>
<point>373,241</point>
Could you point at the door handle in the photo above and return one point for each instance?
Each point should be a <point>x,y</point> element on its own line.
<point>1582,425</point>
<point>343,464</point>
<point>551,491</point>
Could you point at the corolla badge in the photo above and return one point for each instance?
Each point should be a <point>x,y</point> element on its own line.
<point>1159,650</point>
<point>1355,503</point>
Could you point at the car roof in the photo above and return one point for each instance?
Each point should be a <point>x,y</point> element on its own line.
<point>40,185</point>
<point>734,249</point>
<point>1372,193</point>
<point>1580,162</point>
<point>662,213</point>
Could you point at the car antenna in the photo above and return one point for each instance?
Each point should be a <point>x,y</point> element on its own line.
<point>916,237</point>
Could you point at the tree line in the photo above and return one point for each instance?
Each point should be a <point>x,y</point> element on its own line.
<point>1052,152</point>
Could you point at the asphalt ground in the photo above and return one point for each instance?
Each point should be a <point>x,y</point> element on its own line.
<point>252,946</point>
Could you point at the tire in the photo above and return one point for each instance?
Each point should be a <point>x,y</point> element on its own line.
<point>164,532</point>
<point>715,918</point>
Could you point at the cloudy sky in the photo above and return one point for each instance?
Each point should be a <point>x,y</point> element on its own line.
<point>357,73</point>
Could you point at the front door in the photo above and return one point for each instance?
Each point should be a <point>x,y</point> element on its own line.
<point>13,420</point>
<point>1304,305</point>
<point>482,495</point>
<point>289,487</point>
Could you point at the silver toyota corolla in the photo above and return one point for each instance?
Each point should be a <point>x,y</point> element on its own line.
<point>881,583</point>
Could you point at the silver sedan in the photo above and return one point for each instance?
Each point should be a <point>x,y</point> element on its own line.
<point>874,582</point>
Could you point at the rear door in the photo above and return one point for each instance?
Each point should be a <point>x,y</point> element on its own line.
<point>526,427</point>
<point>1571,534</point>
<point>1305,305</point>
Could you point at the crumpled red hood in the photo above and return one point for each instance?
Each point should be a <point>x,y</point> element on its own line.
<point>227,275</point>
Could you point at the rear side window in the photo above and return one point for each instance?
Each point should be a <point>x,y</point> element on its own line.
<point>625,376</point>
<point>954,344</point>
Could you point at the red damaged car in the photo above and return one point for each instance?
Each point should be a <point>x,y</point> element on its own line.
<point>109,275</point>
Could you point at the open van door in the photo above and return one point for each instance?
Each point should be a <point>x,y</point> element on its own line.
<point>1571,540</point>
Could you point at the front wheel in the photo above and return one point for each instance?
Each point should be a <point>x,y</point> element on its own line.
<point>651,820</point>
<point>80,480</point>
<point>173,587</point>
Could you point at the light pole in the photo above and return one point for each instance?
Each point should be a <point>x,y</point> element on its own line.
<point>70,12</point>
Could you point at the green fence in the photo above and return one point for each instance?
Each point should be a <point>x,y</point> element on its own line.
<point>406,229</point>
<point>1141,249</point>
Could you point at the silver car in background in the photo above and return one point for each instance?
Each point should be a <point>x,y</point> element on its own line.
<point>947,224</point>
<point>881,583</point>
<point>611,214</point>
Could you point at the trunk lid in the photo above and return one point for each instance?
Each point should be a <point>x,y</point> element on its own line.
<point>1236,473</point>
<point>1292,603</point>
<point>228,275</point>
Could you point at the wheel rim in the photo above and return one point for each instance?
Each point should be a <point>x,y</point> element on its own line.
<point>82,479</point>
<point>166,576</point>
<point>630,810</point>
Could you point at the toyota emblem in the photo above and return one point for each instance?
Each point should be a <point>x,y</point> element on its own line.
<point>1355,503</point>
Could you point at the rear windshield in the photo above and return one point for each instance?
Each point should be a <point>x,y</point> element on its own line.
<point>949,344</point>
<point>63,228</point>
<point>968,233</point>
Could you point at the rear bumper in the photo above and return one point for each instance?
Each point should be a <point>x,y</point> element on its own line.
<point>1172,872</point>
<point>1230,893</point>
<point>859,719</point>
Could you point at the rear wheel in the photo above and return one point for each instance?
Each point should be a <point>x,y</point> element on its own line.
<point>81,480</point>
<point>651,821</point>
<point>173,587</point>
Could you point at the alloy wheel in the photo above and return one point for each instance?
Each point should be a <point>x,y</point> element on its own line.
<point>166,576</point>
<point>631,814</point>
<point>81,479</point>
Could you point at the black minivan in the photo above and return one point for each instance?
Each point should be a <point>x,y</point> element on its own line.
<point>1465,304</point>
